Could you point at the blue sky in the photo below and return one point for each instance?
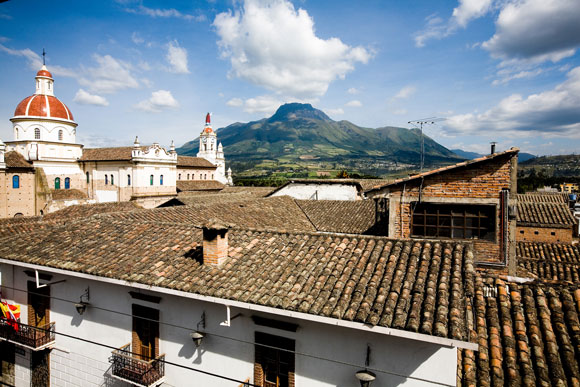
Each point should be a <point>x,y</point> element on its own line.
<point>496,70</point>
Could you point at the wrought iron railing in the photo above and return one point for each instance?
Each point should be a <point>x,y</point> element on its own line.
<point>27,335</point>
<point>127,366</point>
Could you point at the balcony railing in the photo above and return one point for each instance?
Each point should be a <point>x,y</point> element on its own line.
<point>128,367</point>
<point>35,338</point>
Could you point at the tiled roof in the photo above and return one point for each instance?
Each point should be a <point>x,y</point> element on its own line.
<point>545,215</point>
<point>86,210</point>
<point>122,153</point>
<point>199,185</point>
<point>68,194</point>
<point>321,181</point>
<point>542,197</point>
<point>194,198</point>
<point>528,334</point>
<point>14,159</point>
<point>344,216</point>
<point>197,162</point>
<point>550,261</point>
<point>367,184</point>
<point>511,152</point>
<point>256,191</point>
<point>418,286</point>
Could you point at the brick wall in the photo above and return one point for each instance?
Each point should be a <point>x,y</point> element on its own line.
<point>543,234</point>
<point>215,246</point>
<point>480,183</point>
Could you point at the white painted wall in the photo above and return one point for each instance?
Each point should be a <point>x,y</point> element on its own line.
<point>73,359</point>
<point>319,191</point>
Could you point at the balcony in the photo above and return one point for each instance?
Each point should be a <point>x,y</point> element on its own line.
<point>129,368</point>
<point>35,338</point>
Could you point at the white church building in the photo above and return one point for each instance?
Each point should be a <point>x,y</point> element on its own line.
<point>67,173</point>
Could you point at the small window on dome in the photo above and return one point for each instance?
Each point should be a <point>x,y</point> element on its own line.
<point>36,133</point>
<point>60,135</point>
<point>16,133</point>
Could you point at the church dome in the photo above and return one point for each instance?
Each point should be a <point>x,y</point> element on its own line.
<point>45,106</point>
<point>44,73</point>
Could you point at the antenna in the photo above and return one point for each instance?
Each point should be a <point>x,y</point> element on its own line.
<point>421,122</point>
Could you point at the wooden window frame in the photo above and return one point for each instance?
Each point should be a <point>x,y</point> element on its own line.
<point>454,221</point>
<point>141,315</point>
<point>265,354</point>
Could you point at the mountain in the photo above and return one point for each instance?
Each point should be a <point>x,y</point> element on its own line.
<point>299,132</point>
<point>522,156</point>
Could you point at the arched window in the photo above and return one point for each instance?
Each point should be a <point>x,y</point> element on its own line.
<point>36,133</point>
<point>88,179</point>
<point>15,181</point>
<point>205,176</point>
<point>67,183</point>
<point>128,179</point>
<point>161,180</point>
<point>212,176</point>
<point>179,177</point>
<point>106,179</point>
<point>151,180</point>
<point>16,133</point>
<point>188,176</point>
<point>60,135</point>
<point>112,180</point>
<point>57,183</point>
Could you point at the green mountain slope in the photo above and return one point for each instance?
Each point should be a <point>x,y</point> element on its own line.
<point>300,132</point>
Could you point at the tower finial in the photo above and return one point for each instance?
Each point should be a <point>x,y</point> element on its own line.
<point>208,118</point>
<point>43,57</point>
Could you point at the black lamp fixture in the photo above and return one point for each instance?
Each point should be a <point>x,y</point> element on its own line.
<point>81,306</point>
<point>198,335</point>
<point>366,377</point>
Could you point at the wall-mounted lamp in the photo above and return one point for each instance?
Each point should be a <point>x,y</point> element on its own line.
<point>198,335</point>
<point>81,306</point>
<point>366,377</point>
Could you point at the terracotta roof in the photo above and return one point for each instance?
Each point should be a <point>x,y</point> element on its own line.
<point>199,185</point>
<point>194,198</point>
<point>418,286</point>
<point>107,154</point>
<point>542,197</point>
<point>528,334</point>
<point>556,215</point>
<point>68,194</point>
<point>344,216</point>
<point>41,105</point>
<point>14,159</point>
<point>367,184</point>
<point>550,261</point>
<point>87,210</point>
<point>321,181</point>
<point>197,162</point>
<point>256,191</point>
<point>26,224</point>
<point>510,152</point>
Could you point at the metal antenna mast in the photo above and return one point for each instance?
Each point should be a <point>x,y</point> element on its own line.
<point>421,122</point>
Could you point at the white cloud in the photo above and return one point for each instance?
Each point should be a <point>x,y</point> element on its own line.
<point>136,38</point>
<point>334,112</point>
<point>271,44</point>
<point>405,92</point>
<point>262,104</point>
<point>400,112</point>
<point>354,103</point>
<point>506,75</point>
<point>235,102</point>
<point>466,11</point>
<point>536,30</point>
<point>159,100</point>
<point>110,76</point>
<point>35,61</point>
<point>164,13</point>
<point>551,113</point>
<point>353,90</point>
<point>85,98</point>
<point>177,58</point>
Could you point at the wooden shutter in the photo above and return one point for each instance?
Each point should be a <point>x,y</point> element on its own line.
<point>145,332</point>
<point>38,305</point>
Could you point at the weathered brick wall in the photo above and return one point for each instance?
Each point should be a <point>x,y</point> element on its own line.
<point>543,234</point>
<point>478,184</point>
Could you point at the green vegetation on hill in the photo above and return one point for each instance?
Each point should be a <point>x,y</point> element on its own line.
<point>548,171</point>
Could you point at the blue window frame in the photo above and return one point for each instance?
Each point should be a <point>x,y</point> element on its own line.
<point>15,181</point>
<point>161,180</point>
<point>67,183</point>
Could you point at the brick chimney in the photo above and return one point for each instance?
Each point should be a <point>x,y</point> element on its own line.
<point>215,242</point>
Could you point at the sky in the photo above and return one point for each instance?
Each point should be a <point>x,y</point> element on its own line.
<point>490,70</point>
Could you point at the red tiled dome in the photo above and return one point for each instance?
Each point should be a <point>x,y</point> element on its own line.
<point>44,73</point>
<point>40,105</point>
<point>208,129</point>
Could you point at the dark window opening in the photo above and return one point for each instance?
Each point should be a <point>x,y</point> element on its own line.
<point>151,180</point>
<point>454,221</point>
<point>145,332</point>
<point>553,233</point>
<point>88,178</point>
<point>274,362</point>
<point>521,231</point>
<point>536,233</point>
<point>128,179</point>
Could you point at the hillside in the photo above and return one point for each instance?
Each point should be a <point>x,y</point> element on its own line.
<point>298,133</point>
<point>522,156</point>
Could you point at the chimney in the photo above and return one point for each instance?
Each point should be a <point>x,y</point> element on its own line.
<point>215,242</point>
<point>493,147</point>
